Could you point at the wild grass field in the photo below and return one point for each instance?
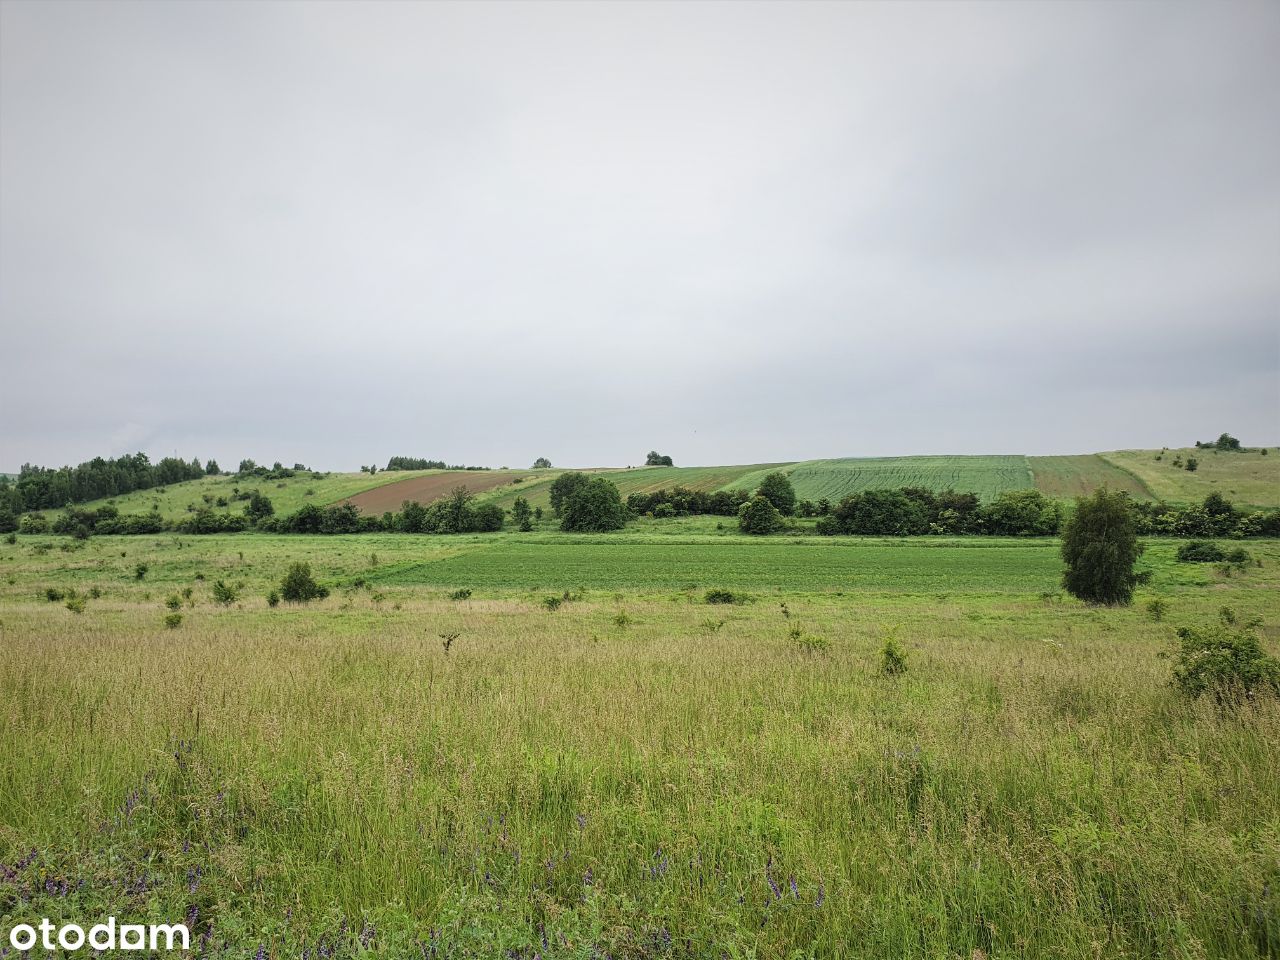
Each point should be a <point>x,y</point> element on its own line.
<point>636,773</point>
<point>1248,477</point>
<point>1078,476</point>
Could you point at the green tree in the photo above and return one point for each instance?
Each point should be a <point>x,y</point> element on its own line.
<point>593,507</point>
<point>298,586</point>
<point>260,507</point>
<point>564,487</point>
<point>1100,547</point>
<point>656,459</point>
<point>759,516</point>
<point>777,489</point>
<point>211,468</point>
<point>542,463</point>
<point>522,514</point>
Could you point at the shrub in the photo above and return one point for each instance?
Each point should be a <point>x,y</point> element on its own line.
<point>563,487</point>
<point>552,603</point>
<point>777,489</point>
<point>224,593</point>
<point>140,571</point>
<point>11,538</point>
<point>259,508</point>
<point>759,517</point>
<point>810,642</point>
<point>298,586</point>
<point>53,595</point>
<point>1200,551</point>
<point>593,507</point>
<point>273,598</point>
<point>1157,608</point>
<point>664,511</point>
<point>893,659</point>
<point>621,619</point>
<point>1192,463</point>
<point>1229,664</point>
<point>173,620</point>
<point>76,603</point>
<point>722,596</point>
<point>173,601</point>
<point>462,594</point>
<point>1100,547</point>
<point>33,523</point>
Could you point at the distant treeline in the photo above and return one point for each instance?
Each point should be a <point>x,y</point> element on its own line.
<point>915,511</point>
<point>42,488</point>
<point>417,463</point>
<point>681,501</point>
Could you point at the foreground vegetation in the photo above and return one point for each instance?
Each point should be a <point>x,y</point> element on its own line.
<point>632,771</point>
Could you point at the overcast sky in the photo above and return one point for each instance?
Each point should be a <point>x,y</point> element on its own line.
<point>332,233</point>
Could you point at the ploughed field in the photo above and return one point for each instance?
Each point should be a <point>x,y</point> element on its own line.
<point>636,772</point>
<point>427,488</point>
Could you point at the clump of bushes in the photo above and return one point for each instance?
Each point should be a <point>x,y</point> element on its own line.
<point>173,620</point>
<point>1200,551</point>
<point>273,598</point>
<point>723,596</point>
<point>75,602</point>
<point>298,586</point>
<point>140,571</point>
<point>463,593</point>
<point>587,504</point>
<point>760,517</point>
<point>1227,663</point>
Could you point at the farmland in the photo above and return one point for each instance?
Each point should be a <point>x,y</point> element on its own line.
<point>1065,477</point>
<point>1248,477</point>
<point>636,773</point>
<point>427,488</point>
<point>833,479</point>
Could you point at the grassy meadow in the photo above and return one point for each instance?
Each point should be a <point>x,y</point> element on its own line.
<point>636,773</point>
<point>1248,478</point>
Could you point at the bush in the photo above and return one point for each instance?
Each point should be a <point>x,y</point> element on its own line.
<point>259,508</point>
<point>1200,551</point>
<point>299,586</point>
<point>1229,664</point>
<point>173,601</point>
<point>810,642</point>
<point>1192,463</point>
<point>140,571</point>
<point>777,489</point>
<point>33,523</point>
<point>224,593</point>
<point>893,659</point>
<point>173,620</point>
<point>593,507</point>
<point>462,594</point>
<point>1157,608</point>
<point>759,516</point>
<point>76,603</point>
<point>273,598</point>
<point>552,603</point>
<point>564,487</point>
<point>1100,547</point>
<point>722,596</point>
<point>664,511</point>
<point>11,538</point>
<point>53,595</point>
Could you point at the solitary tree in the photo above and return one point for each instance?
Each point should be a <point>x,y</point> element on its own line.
<point>1100,547</point>
<point>656,459</point>
<point>777,489</point>
<point>542,463</point>
<point>522,514</point>
<point>259,507</point>
<point>593,507</point>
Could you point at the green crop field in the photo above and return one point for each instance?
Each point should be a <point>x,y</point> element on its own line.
<point>1065,477</point>
<point>833,479</point>
<point>1247,478</point>
<point>636,773</point>
<point>537,490</point>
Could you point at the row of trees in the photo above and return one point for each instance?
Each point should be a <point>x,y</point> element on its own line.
<point>42,488</point>
<point>418,463</point>
<point>681,502</point>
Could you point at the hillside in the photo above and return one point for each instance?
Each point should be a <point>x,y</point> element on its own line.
<point>1249,479</point>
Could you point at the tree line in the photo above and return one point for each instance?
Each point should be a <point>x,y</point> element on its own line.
<point>419,463</point>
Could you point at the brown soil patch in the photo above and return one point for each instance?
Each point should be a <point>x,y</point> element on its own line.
<point>426,489</point>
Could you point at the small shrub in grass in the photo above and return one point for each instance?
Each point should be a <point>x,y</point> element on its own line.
<point>552,603</point>
<point>722,596</point>
<point>811,642</point>
<point>53,595</point>
<point>224,593</point>
<point>173,601</point>
<point>1157,608</point>
<point>621,619</point>
<point>299,586</point>
<point>76,603</point>
<point>893,659</point>
<point>95,593</point>
<point>10,538</point>
<point>1229,664</point>
<point>140,571</point>
<point>462,594</point>
<point>173,620</point>
<point>1200,551</point>
<point>273,598</point>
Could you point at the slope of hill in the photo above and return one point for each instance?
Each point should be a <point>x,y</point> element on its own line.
<point>833,479</point>
<point>1075,476</point>
<point>537,489</point>
<point>1247,478</point>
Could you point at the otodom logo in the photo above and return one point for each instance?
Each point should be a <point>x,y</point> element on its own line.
<point>101,936</point>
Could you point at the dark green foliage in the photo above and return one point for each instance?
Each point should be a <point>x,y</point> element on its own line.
<point>462,594</point>
<point>722,596</point>
<point>686,502</point>
<point>259,508</point>
<point>593,507</point>
<point>655,459</point>
<point>273,598</point>
<point>42,488</point>
<point>139,571</point>
<point>522,513</point>
<point>777,489</point>
<point>1100,547</point>
<point>1021,513</point>
<point>1192,463</point>
<point>563,487</point>
<point>759,516</point>
<point>662,511</point>
<point>419,463</point>
<point>211,468</point>
<point>298,586</point>
<point>1229,664</point>
<point>1200,551</point>
<point>542,463</point>
<point>224,593</point>
<point>173,620</point>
